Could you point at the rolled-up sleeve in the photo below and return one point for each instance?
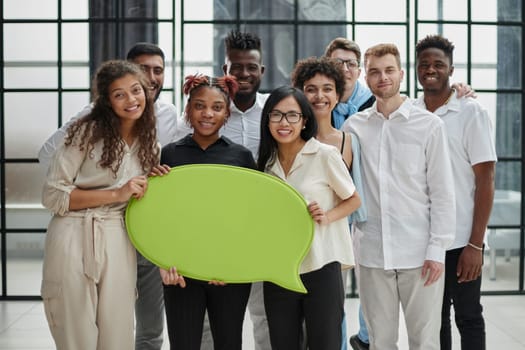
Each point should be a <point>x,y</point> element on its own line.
<point>61,175</point>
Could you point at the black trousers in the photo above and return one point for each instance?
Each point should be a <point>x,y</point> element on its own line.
<point>321,309</point>
<point>185,308</point>
<point>465,298</point>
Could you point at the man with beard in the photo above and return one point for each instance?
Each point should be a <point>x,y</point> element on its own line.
<point>473,156</point>
<point>409,189</point>
<point>149,306</point>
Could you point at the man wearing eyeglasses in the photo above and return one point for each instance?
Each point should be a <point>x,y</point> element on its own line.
<point>357,96</point>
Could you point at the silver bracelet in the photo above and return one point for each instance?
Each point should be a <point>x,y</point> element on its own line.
<point>475,246</point>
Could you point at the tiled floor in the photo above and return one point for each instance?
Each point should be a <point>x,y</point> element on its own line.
<point>23,325</point>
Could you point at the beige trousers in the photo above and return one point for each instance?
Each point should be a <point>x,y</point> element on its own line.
<point>88,285</point>
<point>382,291</point>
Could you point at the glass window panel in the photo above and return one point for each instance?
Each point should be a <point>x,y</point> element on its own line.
<point>204,10</point>
<point>508,178</point>
<point>455,10</point>
<point>30,42</point>
<point>501,267</point>
<point>307,47</point>
<point>508,128</point>
<point>75,9</point>
<point>199,45</point>
<point>75,42</point>
<point>271,10</point>
<point>37,110</point>
<point>166,43</point>
<point>509,59</point>
<point>72,104</point>
<point>490,10</point>
<point>484,77</point>
<point>165,9</point>
<point>378,10</point>
<point>484,45</point>
<point>485,10</point>
<point>30,9</point>
<point>442,9</point>
<point>24,183</point>
<point>278,53</point>
<point>25,253</point>
<point>315,10</point>
<point>75,78</point>
<point>28,215</point>
<point>31,77</point>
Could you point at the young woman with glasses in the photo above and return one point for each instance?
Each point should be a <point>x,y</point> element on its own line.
<point>289,151</point>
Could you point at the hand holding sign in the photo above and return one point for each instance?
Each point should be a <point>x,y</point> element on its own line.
<point>218,222</point>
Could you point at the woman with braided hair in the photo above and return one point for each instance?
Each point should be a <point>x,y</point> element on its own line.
<point>186,299</point>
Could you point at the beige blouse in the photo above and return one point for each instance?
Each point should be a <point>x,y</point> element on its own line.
<point>72,168</point>
<point>319,174</point>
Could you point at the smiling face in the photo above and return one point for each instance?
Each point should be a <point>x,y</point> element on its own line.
<point>350,67</point>
<point>283,131</point>
<point>153,67</point>
<point>127,98</point>
<point>207,111</point>
<point>246,67</point>
<point>434,70</point>
<point>383,76</point>
<point>321,93</point>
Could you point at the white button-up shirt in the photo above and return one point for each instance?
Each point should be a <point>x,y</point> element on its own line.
<point>408,186</point>
<point>471,142</point>
<point>244,128</point>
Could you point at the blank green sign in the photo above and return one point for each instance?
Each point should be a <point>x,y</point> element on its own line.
<point>218,222</point>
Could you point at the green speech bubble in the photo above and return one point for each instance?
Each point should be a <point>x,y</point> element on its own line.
<point>219,222</point>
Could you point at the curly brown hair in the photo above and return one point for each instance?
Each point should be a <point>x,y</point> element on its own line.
<point>103,124</point>
<point>306,69</point>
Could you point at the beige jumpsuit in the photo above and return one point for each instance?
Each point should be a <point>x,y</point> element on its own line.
<point>89,270</point>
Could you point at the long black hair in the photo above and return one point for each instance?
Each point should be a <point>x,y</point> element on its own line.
<point>268,145</point>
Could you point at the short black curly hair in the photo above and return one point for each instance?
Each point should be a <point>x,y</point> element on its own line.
<point>438,42</point>
<point>307,68</point>
<point>237,40</point>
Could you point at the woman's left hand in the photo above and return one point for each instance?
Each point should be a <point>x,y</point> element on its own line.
<point>318,214</point>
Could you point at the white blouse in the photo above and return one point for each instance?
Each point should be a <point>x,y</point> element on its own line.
<point>319,174</point>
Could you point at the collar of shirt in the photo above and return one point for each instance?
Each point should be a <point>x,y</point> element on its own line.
<point>189,141</point>
<point>453,104</point>
<point>260,99</point>
<point>310,147</point>
<point>403,110</point>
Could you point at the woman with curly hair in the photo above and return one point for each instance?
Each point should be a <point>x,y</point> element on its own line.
<point>186,299</point>
<point>89,270</point>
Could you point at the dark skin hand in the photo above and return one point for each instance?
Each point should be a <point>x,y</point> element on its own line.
<point>470,261</point>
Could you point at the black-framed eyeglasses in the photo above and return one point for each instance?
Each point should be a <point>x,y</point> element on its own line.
<point>291,117</point>
<point>350,64</point>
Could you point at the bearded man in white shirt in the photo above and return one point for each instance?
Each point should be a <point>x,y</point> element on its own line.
<point>473,156</point>
<point>409,188</point>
